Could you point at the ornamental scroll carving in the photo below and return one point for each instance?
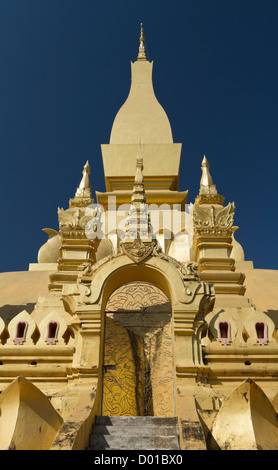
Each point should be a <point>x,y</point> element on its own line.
<point>138,251</point>
<point>75,219</point>
<point>214,219</point>
<point>187,272</point>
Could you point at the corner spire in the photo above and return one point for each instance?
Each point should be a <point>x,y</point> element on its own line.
<point>83,195</point>
<point>208,193</point>
<point>206,179</point>
<point>142,52</point>
<point>85,189</point>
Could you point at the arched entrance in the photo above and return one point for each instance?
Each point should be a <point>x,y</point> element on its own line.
<point>138,365</point>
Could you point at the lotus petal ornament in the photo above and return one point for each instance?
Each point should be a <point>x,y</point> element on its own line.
<point>246,421</point>
<point>28,420</point>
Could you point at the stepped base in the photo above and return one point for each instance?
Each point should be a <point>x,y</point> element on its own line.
<point>134,433</point>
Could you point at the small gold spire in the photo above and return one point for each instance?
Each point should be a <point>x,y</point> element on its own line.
<point>84,189</point>
<point>83,195</point>
<point>138,221</point>
<point>138,194</point>
<point>206,179</point>
<point>142,52</point>
<point>208,192</point>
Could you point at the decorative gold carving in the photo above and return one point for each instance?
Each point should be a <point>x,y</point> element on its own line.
<point>209,198</point>
<point>138,251</point>
<point>138,296</point>
<point>74,219</point>
<point>138,359</point>
<point>214,219</point>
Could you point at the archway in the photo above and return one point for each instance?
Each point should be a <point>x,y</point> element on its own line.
<point>138,365</point>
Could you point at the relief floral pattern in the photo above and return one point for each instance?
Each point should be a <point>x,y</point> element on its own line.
<point>138,356</point>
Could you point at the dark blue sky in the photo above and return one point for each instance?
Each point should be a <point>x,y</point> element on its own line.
<point>65,72</point>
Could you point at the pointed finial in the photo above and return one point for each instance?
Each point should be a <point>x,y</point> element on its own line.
<point>142,52</point>
<point>138,221</point>
<point>208,192</point>
<point>206,179</point>
<point>85,189</point>
<point>83,195</point>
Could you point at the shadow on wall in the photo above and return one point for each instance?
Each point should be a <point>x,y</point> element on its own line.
<point>273,314</point>
<point>8,312</point>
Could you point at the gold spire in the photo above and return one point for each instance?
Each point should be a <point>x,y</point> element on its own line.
<point>138,195</point>
<point>85,189</point>
<point>208,192</point>
<point>206,179</point>
<point>142,52</point>
<point>138,221</point>
<point>83,195</point>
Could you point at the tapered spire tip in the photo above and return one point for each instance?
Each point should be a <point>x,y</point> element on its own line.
<point>142,51</point>
<point>84,189</point>
<point>206,179</point>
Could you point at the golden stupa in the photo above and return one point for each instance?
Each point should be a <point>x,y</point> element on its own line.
<point>140,309</point>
